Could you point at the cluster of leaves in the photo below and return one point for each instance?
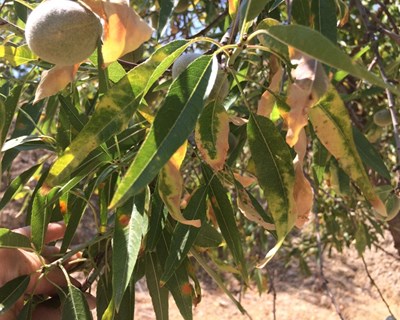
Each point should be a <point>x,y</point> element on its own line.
<point>170,174</point>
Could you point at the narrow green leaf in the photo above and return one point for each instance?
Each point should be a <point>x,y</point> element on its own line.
<point>324,18</point>
<point>215,276</point>
<point>178,284</point>
<point>41,215</point>
<point>115,109</point>
<point>315,45</point>
<point>223,210</point>
<point>165,13</point>
<point>208,237</point>
<point>75,306</point>
<point>11,291</point>
<point>26,121</point>
<point>9,239</point>
<point>127,306</point>
<point>331,123</point>
<point>11,105</point>
<point>250,9</point>
<point>301,12</point>
<point>159,295</point>
<point>369,155</point>
<point>130,225</point>
<point>184,235</point>
<point>172,125</point>
<point>158,217</point>
<point>275,173</point>
<point>17,55</point>
<point>17,184</point>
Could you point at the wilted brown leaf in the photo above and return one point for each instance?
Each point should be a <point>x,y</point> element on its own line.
<point>54,80</point>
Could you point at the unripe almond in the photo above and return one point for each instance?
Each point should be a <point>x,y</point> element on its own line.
<point>382,118</point>
<point>62,32</point>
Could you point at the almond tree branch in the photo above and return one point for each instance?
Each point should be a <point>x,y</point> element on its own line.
<point>391,101</point>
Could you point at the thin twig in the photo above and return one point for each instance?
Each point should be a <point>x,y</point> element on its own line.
<point>373,283</point>
<point>273,290</point>
<point>387,252</point>
<point>210,25</point>
<point>320,264</point>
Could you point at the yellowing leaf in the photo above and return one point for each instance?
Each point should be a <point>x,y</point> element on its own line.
<point>124,29</point>
<point>211,135</point>
<point>54,80</point>
<point>302,191</point>
<point>170,187</point>
<point>332,126</point>
<point>267,101</point>
<point>309,86</point>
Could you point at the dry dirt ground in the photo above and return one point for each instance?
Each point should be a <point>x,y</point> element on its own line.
<point>297,297</point>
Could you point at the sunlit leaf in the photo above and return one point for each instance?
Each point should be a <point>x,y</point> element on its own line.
<point>17,55</point>
<point>170,186</point>
<point>275,174</point>
<point>332,126</point>
<point>315,45</point>
<point>124,30</point>
<point>211,134</point>
<point>309,86</point>
<point>172,125</point>
<point>115,109</point>
<point>54,80</point>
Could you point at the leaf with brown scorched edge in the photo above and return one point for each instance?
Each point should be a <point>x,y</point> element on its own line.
<point>302,192</point>
<point>233,8</point>
<point>267,101</point>
<point>54,80</point>
<point>124,30</point>
<point>247,208</point>
<point>222,208</point>
<point>115,109</point>
<point>170,186</point>
<point>309,86</point>
<point>331,123</point>
<point>172,125</point>
<point>318,47</point>
<point>17,55</point>
<point>274,170</point>
<point>211,135</point>
<point>184,235</point>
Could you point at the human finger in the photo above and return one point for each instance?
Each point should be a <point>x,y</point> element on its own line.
<point>55,231</point>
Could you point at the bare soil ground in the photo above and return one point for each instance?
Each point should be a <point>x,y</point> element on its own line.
<point>297,297</point>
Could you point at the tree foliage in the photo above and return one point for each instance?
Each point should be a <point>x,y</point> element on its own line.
<point>270,126</point>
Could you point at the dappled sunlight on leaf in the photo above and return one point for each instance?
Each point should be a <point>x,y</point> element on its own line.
<point>170,187</point>
<point>55,80</point>
<point>124,29</point>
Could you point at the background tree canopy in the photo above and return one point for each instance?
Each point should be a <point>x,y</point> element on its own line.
<point>198,135</point>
